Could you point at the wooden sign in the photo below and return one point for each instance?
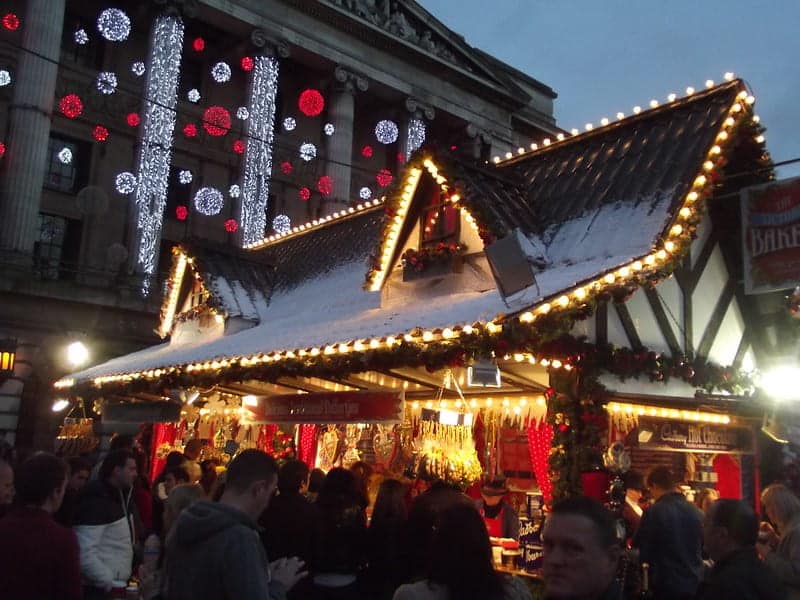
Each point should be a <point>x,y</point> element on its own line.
<point>665,434</point>
<point>327,407</point>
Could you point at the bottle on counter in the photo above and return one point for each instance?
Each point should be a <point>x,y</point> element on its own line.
<point>646,593</point>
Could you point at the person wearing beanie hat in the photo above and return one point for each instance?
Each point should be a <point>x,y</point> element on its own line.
<point>501,519</point>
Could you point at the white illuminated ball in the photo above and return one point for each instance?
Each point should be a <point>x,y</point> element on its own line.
<point>221,72</point>
<point>77,354</point>
<point>282,224</point>
<point>138,68</point>
<point>234,191</point>
<point>329,129</point>
<point>80,37</point>
<point>114,25</point>
<point>208,201</point>
<point>185,177</point>
<point>65,156</point>
<point>125,182</point>
<point>365,193</point>
<point>242,113</point>
<point>106,82</point>
<point>5,78</point>
<point>193,95</point>
<point>386,132</point>
<point>308,151</point>
<point>289,124</point>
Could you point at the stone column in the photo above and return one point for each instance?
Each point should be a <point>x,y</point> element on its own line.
<point>340,145</point>
<point>414,130</point>
<point>29,127</point>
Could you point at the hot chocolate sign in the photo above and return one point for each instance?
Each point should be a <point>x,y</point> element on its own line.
<point>664,434</point>
<point>322,407</point>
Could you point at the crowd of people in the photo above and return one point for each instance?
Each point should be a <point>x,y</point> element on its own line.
<point>261,531</point>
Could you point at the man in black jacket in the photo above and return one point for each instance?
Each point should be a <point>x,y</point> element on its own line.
<point>730,531</point>
<point>670,539</point>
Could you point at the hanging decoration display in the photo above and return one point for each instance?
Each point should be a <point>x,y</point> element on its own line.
<point>238,146</point>
<point>64,156</point>
<point>325,185</point>
<point>305,194</point>
<point>289,124</point>
<point>540,440</point>
<point>311,103</point>
<point>125,182</point>
<point>185,176</point>
<point>2,149</point>
<point>366,151</point>
<point>181,212</point>
<point>100,133</point>
<point>231,225</point>
<point>198,44</point>
<point>138,68</point>
<point>216,121</point>
<point>329,129</point>
<point>193,95</point>
<point>155,147</point>
<point>308,151</point>
<point>190,130</point>
<point>234,191</point>
<point>71,106</point>
<point>386,132</point>
<point>242,113</point>
<point>286,167</point>
<point>80,37</point>
<point>282,224</point>
<point>415,136</point>
<point>447,452</point>
<point>365,193</point>
<point>5,78</point>
<point>247,63</point>
<point>384,177</point>
<point>133,119</point>
<point>257,167</point>
<point>221,72</point>
<point>208,201</point>
<point>114,25</point>
<point>106,82</point>
<point>11,21</point>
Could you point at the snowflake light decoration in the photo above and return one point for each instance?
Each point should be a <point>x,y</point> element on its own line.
<point>282,224</point>
<point>308,151</point>
<point>325,185</point>
<point>365,193</point>
<point>231,225</point>
<point>242,113</point>
<point>311,103</point>
<point>106,82</point>
<point>289,123</point>
<point>329,129</point>
<point>193,95</point>
<point>133,119</point>
<point>185,176</point>
<point>208,201</point>
<point>100,133</point>
<point>138,68</point>
<point>386,132</point>
<point>65,156</point>
<point>234,191</point>
<point>5,77</point>
<point>114,25</point>
<point>125,182</point>
<point>384,177</point>
<point>216,121</point>
<point>221,72</point>
<point>71,106</point>
<point>80,37</point>
<point>247,63</point>
<point>304,193</point>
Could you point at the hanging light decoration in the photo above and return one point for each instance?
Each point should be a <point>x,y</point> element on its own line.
<point>80,37</point>
<point>133,119</point>
<point>325,185</point>
<point>286,167</point>
<point>216,121</point>
<point>71,106</point>
<point>238,147</point>
<point>221,72</point>
<point>384,177</point>
<point>386,132</point>
<point>193,95</point>
<point>125,182</point>
<point>282,224</point>
<point>114,25</point>
<point>416,135</point>
<point>366,152</point>
<point>190,130</point>
<point>329,129</point>
<point>5,78</point>
<point>231,225</point>
<point>365,193</point>
<point>185,176</point>
<point>289,124</point>
<point>138,68</point>
<point>2,149</point>
<point>198,44</point>
<point>305,194</point>
<point>208,201</point>
<point>311,103</point>
<point>234,191</point>
<point>64,156</point>
<point>11,21</point>
<point>247,63</point>
<point>106,82</point>
<point>308,151</point>
<point>100,133</point>
<point>181,212</point>
<point>242,113</point>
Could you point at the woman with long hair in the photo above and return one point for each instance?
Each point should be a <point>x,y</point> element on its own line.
<point>461,566</point>
<point>781,549</point>
<point>389,517</point>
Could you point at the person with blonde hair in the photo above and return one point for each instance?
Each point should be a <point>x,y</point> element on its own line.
<point>705,498</point>
<point>780,548</point>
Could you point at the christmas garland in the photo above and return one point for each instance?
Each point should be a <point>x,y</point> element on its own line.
<point>421,259</point>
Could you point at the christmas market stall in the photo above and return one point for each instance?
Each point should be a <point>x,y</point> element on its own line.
<point>505,317</point>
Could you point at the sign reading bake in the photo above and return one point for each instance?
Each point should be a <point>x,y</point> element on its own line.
<point>664,434</point>
<point>327,407</point>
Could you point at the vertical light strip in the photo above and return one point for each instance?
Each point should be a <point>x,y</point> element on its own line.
<point>257,169</point>
<point>155,149</point>
<point>415,136</point>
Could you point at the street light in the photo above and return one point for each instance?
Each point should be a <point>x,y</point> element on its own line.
<point>77,354</point>
<point>60,405</point>
<point>8,354</point>
<point>780,382</point>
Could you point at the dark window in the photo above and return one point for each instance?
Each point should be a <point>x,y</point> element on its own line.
<point>57,250</point>
<point>90,54</point>
<point>440,222</point>
<point>68,164</point>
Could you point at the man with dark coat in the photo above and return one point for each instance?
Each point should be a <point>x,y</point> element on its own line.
<point>670,539</point>
<point>730,531</point>
<point>500,517</point>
